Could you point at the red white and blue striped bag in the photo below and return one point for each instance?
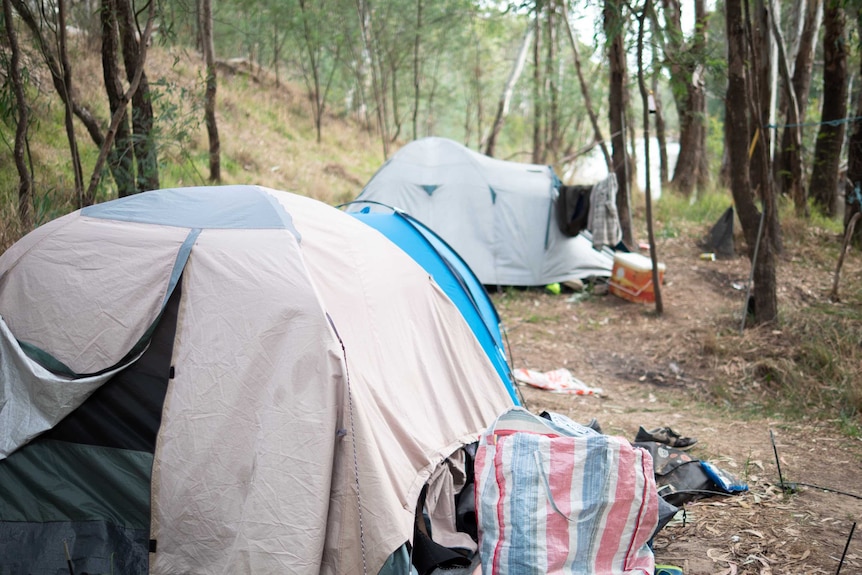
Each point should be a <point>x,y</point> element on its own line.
<point>559,498</point>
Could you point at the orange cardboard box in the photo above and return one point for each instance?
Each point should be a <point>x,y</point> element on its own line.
<point>631,278</point>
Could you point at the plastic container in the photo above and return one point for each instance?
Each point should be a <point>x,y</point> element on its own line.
<point>631,278</point>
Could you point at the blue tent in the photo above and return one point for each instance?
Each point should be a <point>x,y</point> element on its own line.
<point>453,275</point>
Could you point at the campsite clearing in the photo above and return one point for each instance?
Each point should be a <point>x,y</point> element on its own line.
<point>691,370</point>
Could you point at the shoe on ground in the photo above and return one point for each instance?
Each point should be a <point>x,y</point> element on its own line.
<point>665,435</point>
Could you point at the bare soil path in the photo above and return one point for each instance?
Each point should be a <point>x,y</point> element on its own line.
<point>672,371</point>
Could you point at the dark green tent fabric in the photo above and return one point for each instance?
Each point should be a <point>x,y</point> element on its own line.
<point>85,484</point>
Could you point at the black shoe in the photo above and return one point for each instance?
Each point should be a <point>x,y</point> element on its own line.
<point>665,435</point>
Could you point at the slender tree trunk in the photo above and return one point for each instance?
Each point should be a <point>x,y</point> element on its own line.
<point>736,106</point>
<point>144,143</point>
<point>554,140</point>
<point>659,304</point>
<point>789,154</point>
<point>363,11</point>
<point>120,115</point>
<point>25,178</point>
<point>122,153</point>
<point>210,94</point>
<point>585,92</point>
<point>853,188</point>
<point>417,69</point>
<point>827,152</point>
<point>688,76</point>
<point>797,171</point>
<point>506,98</point>
<point>660,129</point>
<point>538,105</point>
<point>66,69</point>
<point>312,73</point>
<point>613,26</point>
<point>758,37</point>
<point>760,166</point>
<point>81,112</point>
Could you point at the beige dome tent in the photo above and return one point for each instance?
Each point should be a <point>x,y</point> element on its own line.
<point>224,380</point>
<point>498,215</point>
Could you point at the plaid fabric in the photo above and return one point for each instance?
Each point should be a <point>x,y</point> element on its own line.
<point>604,219</point>
<point>549,502</point>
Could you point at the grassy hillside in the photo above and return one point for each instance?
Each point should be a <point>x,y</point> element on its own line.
<point>266,131</point>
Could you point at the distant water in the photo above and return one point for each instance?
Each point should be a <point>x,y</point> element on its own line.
<point>590,168</point>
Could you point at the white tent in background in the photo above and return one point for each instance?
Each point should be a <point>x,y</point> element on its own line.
<point>498,215</point>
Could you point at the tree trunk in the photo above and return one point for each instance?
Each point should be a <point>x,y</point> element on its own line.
<point>119,116</point>
<point>25,178</point>
<point>417,70</point>
<point>554,139</point>
<point>538,107</point>
<point>363,11</point>
<point>81,112</point>
<point>789,154</point>
<point>659,305</point>
<point>827,152</point>
<point>122,153</point>
<point>758,34</point>
<point>613,26</point>
<point>506,97</point>
<point>66,69</point>
<point>853,188</point>
<point>311,69</point>
<point>736,105</point>
<point>144,143</point>
<point>688,78</point>
<point>660,129</point>
<point>585,92</point>
<point>796,168</point>
<point>210,94</point>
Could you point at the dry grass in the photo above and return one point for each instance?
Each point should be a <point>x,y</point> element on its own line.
<point>266,131</point>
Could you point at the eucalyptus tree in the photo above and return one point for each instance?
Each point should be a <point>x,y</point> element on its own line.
<point>830,138</point>
<point>739,107</point>
<point>13,67</point>
<point>614,20</point>
<point>206,15</point>
<point>685,60</point>
<point>789,153</point>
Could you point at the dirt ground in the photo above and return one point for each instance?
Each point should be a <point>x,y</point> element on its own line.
<point>653,372</point>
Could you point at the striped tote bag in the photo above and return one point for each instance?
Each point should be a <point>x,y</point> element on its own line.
<point>557,497</point>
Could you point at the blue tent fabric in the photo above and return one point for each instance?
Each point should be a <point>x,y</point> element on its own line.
<point>454,277</point>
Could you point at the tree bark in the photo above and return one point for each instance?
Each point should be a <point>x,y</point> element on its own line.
<point>554,139</point>
<point>585,92</point>
<point>122,153</point>
<point>25,178</point>
<point>660,129</point>
<point>66,69</point>
<point>788,154</point>
<point>538,155</point>
<point>363,11</point>
<point>853,185</point>
<point>737,125</point>
<point>688,76</point>
<point>120,114</point>
<point>659,304</point>
<point>506,98</point>
<point>417,69</point>
<point>81,112</point>
<point>796,169</point>
<point>143,143</point>
<point>827,152</point>
<point>210,94</point>
<point>613,26</point>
